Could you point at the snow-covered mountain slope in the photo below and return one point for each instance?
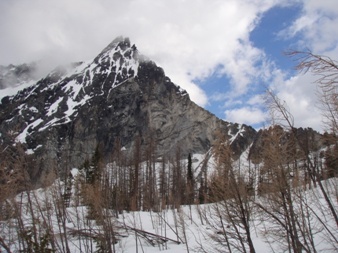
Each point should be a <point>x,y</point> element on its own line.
<point>75,86</point>
<point>119,96</point>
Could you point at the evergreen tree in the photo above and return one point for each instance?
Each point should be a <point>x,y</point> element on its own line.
<point>190,182</point>
<point>331,162</point>
<point>92,169</point>
<point>201,192</point>
<point>95,164</point>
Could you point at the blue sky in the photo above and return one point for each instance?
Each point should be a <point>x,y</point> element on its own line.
<point>265,36</point>
<point>224,53</point>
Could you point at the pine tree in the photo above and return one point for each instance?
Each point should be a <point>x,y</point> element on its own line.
<point>190,182</point>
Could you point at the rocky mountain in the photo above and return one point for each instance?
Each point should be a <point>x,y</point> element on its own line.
<point>120,108</point>
<point>118,97</point>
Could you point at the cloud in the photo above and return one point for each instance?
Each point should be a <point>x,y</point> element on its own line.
<point>314,29</point>
<point>256,100</point>
<point>299,94</point>
<point>316,26</point>
<point>189,39</point>
<point>246,115</point>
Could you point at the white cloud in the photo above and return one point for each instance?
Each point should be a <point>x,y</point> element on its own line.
<point>256,100</point>
<point>316,29</point>
<point>189,39</point>
<point>246,115</point>
<point>299,93</point>
<point>317,26</point>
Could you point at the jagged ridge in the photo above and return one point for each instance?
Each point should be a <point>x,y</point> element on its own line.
<point>117,96</point>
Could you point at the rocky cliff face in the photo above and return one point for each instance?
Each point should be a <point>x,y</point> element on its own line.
<point>119,95</point>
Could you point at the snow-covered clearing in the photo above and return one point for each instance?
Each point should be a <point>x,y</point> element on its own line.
<point>195,228</point>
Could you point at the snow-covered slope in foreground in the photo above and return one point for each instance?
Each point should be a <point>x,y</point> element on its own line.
<point>197,228</point>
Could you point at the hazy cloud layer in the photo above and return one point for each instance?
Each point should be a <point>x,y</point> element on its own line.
<point>248,115</point>
<point>191,40</point>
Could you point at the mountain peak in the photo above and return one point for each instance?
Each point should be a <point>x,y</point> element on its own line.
<point>117,96</point>
<point>119,42</point>
<point>119,60</point>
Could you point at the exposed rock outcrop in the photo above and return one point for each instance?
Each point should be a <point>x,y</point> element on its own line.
<point>119,95</point>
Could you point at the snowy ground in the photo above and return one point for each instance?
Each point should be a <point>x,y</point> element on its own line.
<point>188,229</point>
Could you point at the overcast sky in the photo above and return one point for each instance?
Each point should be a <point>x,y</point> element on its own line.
<point>225,53</point>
